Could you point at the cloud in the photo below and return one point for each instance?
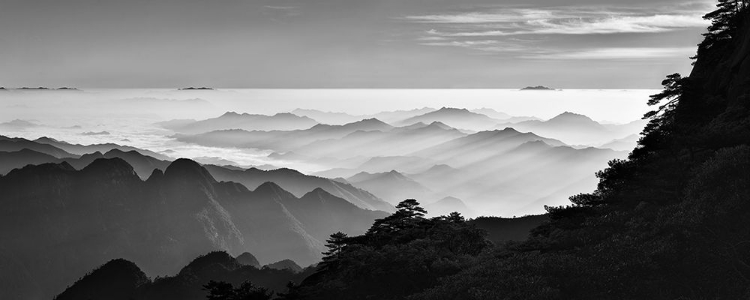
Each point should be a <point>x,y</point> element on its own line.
<point>615,53</point>
<point>557,22</point>
<point>526,33</point>
<point>480,45</point>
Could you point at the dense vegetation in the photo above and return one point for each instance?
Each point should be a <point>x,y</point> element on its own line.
<point>401,254</point>
<point>670,222</point>
<point>216,275</point>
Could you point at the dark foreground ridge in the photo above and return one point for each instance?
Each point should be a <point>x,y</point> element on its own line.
<point>122,279</point>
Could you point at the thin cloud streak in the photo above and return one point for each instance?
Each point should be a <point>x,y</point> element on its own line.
<point>494,30</point>
<point>577,26</point>
<point>615,53</point>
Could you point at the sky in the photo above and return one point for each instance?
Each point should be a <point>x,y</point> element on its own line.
<point>589,44</point>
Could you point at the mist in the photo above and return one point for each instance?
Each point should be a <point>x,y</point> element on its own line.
<point>341,133</point>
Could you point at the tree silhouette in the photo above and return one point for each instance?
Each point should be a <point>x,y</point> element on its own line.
<point>335,244</point>
<point>219,290</point>
<point>408,214</point>
<point>724,22</point>
<point>411,208</point>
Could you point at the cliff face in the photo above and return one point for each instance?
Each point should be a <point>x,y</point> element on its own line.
<point>725,69</point>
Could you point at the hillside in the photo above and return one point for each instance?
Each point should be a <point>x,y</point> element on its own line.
<point>122,279</point>
<point>105,211</point>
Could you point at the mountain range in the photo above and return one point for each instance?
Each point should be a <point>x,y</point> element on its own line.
<point>232,120</point>
<point>339,118</point>
<point>577,129</point>
<point>105,210</point>
<point>454,117</point>
<point>297,183</point>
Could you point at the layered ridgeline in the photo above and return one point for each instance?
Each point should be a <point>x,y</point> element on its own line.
<point>497,171</point>
<point>58,222</point>
<point>669,222</point>
<point>122,279</point>
<point>19,154</point>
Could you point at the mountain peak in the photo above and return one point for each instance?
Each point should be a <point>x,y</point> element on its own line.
<point>533,145</point>
<point>370,121</point>
<point>118,276</point>
<point>570,116</point>
<point>438,124</point>
<point>440,168</point>
<point>286,264</point>
<point>230,114</point>
<point>46,139</point>
<point>47,168</point>
<point>186,168</point>
<point>181,165</point>
<point>117,152</point>
<point>318,193</point>
<point>212,260</point>
<point>155,175</point>
<point>448,109</point>
<point>510,130</point>
<point>287,171</point>
<point>395,175</point>
<point>248,259</point>
<point>110,167</point>
<point>273,190</point>
<point>369,124</point>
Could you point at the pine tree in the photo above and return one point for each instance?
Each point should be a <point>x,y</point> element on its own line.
<point>335,244</point>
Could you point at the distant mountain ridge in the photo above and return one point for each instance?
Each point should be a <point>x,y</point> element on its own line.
<point>105,210</point>
<point>576,129</point>
<point>144,165</point>
<point>79,149</point>
<point>391,186</point>
<point>245,121</point>
<point>456,118</point>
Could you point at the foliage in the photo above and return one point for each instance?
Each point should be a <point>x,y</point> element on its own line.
<point>401,254</point>
<point>225,291</point>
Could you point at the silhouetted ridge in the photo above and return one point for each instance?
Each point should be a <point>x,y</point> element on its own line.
<point>440,125</point>
<point>185,168</point>
<point>269,188</point>
<point>248,259</point>
<point>286,171</point>
<point>210,264</point>
<point>369,124</point>
<point>533,146</point>
<point>453,109</point>
<point>317,192</point>
<point>508,130</point>
<point>118,279</point>
<point>322,197</point>
<point>109,167</point>
<point>155,175</point>
<point>48,168</point>
<point>574,119</point>
<point>286,264</point>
